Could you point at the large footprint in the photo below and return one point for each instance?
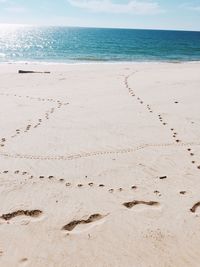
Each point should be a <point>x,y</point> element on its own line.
<point>195,206</point>
<point>73,224</point>
<point>131,204</point>
<point>29,213</point>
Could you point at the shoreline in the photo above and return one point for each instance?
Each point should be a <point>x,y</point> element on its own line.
<point>101,62</point>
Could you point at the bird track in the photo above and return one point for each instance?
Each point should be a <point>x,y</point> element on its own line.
<point>93,154</point>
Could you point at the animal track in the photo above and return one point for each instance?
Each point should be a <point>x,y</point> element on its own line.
<point>131,204</point>
<point>89,154</point>
<point>163,177</point>
<point>52,178</point>
<point>134,187</point>
<point>29,127</point>
<point>94,217</point>
<point>29,213</point>
<point>31,97</point>
<point>175,134</point>
<point>93,154</point>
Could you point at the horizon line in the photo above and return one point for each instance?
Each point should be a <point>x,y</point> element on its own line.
<point>94,27</point>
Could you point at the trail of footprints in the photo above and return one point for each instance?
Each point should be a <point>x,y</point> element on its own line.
<point>175,135</point>
<point>66,183</point>
<point>74,223</point>
<point>38,122</point>
<point>87,184</point>
<point>41,99</point>
<point>83,155</point>
<point>70,226</point>
<point>94,217</point>
<point>93,154</point>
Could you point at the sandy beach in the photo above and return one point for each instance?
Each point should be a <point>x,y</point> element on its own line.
<point>100,165</point>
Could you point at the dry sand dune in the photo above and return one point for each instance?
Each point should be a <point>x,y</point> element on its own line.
<point>100,165</point>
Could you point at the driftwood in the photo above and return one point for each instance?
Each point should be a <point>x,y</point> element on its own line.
<point>28,71</point>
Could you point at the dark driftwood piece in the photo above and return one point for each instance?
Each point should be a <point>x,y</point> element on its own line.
<point>28,71</point>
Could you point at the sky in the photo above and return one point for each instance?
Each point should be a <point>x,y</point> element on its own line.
<point>136,14</point>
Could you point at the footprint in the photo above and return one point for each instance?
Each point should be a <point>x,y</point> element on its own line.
<point>29,213</point>
<point>23,260</point>
<point>194,208</point>
<point>163,177</point>
<point>131,204</point>
<point>70,226</point>
<point>134,187</point>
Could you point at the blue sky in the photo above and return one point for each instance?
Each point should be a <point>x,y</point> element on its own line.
<point>148,14</point>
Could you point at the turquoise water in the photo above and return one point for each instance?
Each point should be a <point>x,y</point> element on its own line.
<point>62,44</point>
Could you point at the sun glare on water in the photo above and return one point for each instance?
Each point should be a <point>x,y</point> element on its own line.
<point>14,40</point>
<point>11,26</point>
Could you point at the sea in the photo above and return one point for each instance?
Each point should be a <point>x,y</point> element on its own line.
<point>73,44</point>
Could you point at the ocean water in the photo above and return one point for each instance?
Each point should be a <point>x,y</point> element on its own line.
<point>63,44</point>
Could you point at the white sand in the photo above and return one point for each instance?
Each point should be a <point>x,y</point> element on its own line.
<point>86,127</point>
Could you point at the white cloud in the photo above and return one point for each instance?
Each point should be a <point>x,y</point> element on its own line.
<point>108,6</point>
<point>191,7</point>
<point>16,9</point>
<point>195,8</point>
